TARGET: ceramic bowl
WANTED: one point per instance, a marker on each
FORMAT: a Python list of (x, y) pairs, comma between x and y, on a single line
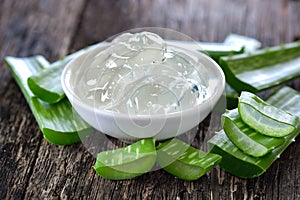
[(132, 127)]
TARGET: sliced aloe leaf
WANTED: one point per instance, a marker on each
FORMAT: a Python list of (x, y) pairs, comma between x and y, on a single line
[(262, 69), (250, 45), (59, 124), (128, 162), (46, 84), (245, 138), (265, 118), (240, 164), (184, 161)]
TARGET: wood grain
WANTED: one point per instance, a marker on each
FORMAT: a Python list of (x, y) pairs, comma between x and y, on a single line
[(27, 28), (31, 168)]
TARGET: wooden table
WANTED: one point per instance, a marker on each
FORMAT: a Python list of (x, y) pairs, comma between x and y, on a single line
[(32, 168)]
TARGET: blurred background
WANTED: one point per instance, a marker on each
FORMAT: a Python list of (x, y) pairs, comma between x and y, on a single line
[(67, 25)]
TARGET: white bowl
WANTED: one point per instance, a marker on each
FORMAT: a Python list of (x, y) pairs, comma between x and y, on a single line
[(133, 127)]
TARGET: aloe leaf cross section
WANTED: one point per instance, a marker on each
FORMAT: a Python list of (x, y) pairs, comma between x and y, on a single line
[(238, 163), (265, 118), (245, 138)]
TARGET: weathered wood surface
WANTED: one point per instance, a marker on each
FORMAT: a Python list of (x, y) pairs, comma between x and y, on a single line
[(31, 168)]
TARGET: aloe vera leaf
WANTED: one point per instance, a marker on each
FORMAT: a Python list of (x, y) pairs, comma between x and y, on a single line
[(265, 118), (58, 122), (262, 69), (128, 162), (242, 165), (245, 138), (216, 54), (46, 84), (250, 45), (184, 161)]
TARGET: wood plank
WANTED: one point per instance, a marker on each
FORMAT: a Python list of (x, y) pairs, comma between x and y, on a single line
[(66, 172), (199, 20), (27, 28)]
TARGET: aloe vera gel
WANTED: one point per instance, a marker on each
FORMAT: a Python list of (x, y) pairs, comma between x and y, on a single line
[(140, 74)]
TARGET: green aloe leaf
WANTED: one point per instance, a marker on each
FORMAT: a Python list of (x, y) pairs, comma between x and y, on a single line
[(240, 164), (128, 162), (265, 118), (245, 138), (58, 122), (184, 161), (46, 85), (262, 69)]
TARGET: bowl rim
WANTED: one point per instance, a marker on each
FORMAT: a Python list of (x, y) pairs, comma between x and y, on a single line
[(75, 99)]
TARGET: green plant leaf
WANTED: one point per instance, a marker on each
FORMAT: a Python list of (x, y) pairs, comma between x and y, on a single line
[(245, 138), (262, 69), (184, 161), (46, 84), (128, 162), (240, 164), (58, 122), (265, 118)]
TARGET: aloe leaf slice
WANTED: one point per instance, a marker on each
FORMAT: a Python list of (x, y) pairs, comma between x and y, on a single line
[(265, 118), (184, 161), (128, 162), (46, 84), (58, 122), (262, 69), (240, 164), (245, 138)]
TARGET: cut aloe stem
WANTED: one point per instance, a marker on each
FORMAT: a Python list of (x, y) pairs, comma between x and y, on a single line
[(184, 161), (58, 122), (265, 118), (245, 138), (262, 69), (240, 164), (128, 162), (46, 84)]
